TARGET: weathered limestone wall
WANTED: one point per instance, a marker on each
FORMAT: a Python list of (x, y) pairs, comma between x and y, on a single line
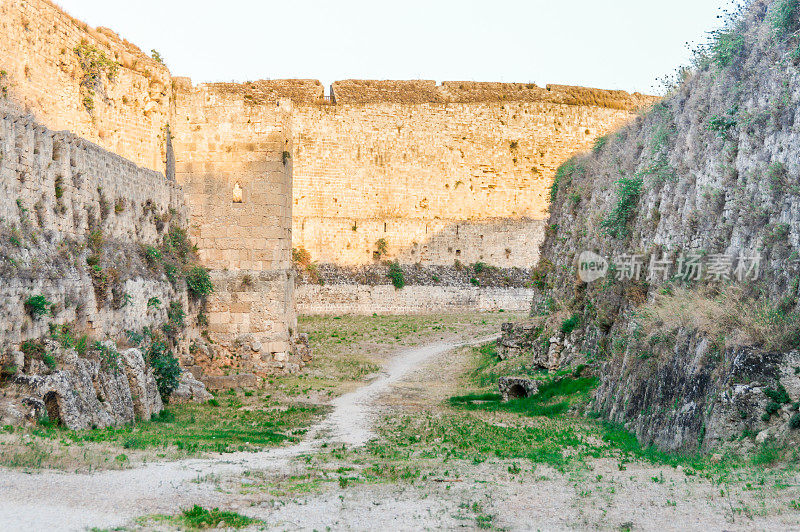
[(224, 134), (455, 171), (233, 157), (40, 68), (54, 189), (413, 299)]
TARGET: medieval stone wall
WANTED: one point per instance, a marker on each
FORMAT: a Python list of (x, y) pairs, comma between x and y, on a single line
[(458, 171), (123, 110), (56, 190), (414, 299), (439, 172)]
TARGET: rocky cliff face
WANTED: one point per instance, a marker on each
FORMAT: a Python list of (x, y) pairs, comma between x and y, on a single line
[(671, 256)]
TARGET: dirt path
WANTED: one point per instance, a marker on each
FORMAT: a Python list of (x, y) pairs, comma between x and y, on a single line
[(63, 501)]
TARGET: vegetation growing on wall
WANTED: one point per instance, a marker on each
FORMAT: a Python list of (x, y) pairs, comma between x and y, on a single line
[(97, 69)]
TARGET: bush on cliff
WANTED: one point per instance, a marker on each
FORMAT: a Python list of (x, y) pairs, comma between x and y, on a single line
[(199, 282)]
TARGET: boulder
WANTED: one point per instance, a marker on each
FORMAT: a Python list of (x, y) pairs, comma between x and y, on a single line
[(517, 387), (189, 390)]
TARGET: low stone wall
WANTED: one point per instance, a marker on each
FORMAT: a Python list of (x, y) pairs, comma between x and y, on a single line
[(385, 299)]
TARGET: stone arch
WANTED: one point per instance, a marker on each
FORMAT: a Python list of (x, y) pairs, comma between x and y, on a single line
[(52, 407), (517, 391)]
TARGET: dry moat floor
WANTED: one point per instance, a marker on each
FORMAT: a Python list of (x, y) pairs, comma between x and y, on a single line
[(395, 426)]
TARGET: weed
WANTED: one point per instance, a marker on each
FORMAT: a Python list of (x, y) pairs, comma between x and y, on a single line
[(599, 144), (38, 306), (628, 192), (569, 324), (381, 247)]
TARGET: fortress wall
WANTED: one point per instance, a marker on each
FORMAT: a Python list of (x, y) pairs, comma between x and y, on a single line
[(415, 299), (40, 69), (55, 188), (226, 145), (438, 179)]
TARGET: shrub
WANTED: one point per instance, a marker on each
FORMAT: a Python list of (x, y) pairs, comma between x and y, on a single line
[(474, 282), (166, 369), (779, 395), (153, 302), (96, 241), (109, 357), (569, 324), (176, 242), (564, 176), (199, 282), (785, 16), (628, 192), (152, 255), (776, 174), (722, 124), (38, 306), (728, 45), (479, 267), (199, 518), (794, 422), (396, 275), (33, 349)]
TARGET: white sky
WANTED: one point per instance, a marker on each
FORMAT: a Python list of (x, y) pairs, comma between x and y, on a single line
[(612, 44)]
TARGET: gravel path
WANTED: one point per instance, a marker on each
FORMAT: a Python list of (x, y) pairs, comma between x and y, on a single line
[(51, 500)]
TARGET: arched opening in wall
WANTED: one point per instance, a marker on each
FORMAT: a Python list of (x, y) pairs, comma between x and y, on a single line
[(517, 391), (51, 405), (237, 193)]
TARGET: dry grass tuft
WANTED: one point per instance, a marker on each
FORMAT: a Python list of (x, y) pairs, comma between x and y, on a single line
[(728, 316)]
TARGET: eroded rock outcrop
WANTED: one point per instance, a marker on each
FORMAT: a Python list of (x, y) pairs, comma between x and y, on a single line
[(670, 261), (102, 389)]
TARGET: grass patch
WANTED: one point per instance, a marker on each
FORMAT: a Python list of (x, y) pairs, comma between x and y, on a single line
[(199, 518), (568, 390), (195, 428)]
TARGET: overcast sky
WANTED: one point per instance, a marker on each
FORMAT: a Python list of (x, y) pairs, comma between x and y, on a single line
[(614, 44)]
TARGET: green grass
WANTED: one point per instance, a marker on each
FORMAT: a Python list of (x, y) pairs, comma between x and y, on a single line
[(199, 518), (196, 428), (569, 390)]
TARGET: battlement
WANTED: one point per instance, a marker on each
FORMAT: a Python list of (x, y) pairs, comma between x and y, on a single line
[(354, 92)]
